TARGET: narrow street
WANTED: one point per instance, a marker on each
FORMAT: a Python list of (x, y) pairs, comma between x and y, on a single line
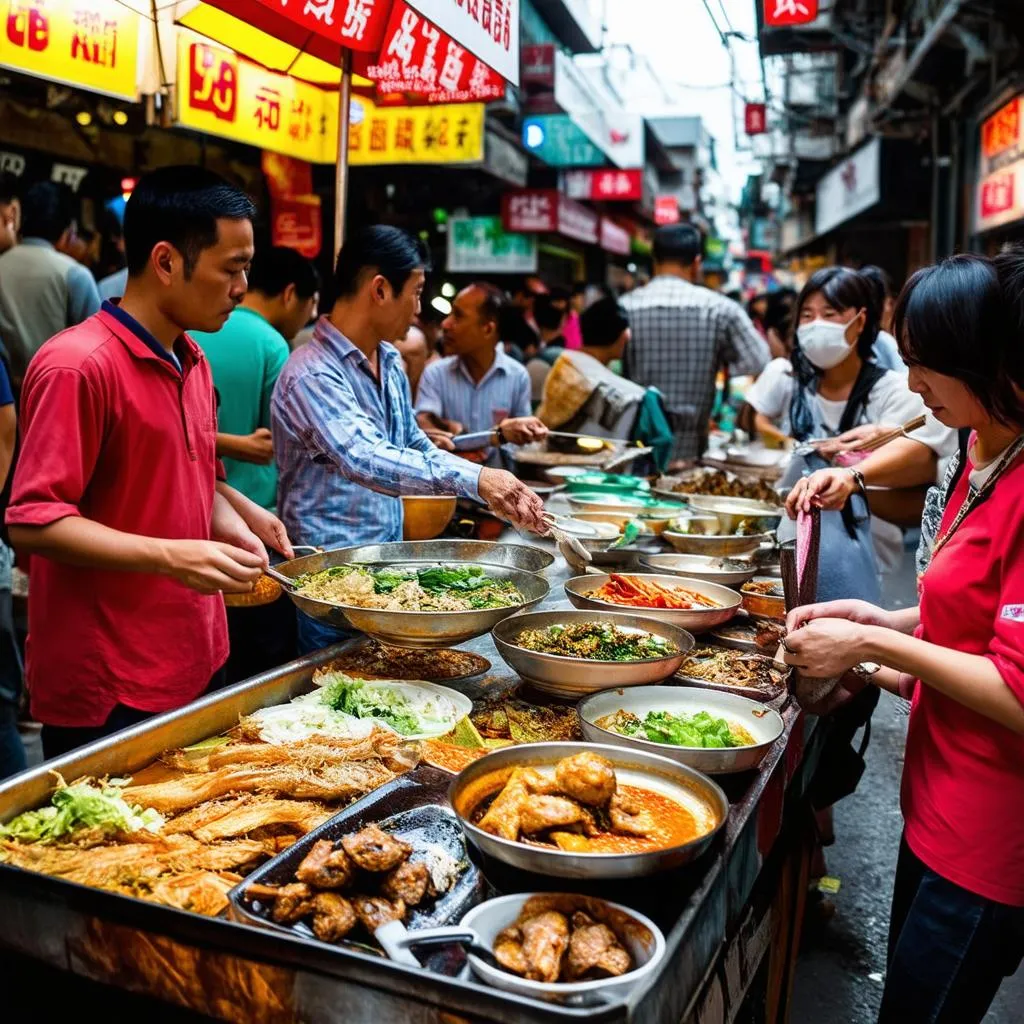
[(842, 965)]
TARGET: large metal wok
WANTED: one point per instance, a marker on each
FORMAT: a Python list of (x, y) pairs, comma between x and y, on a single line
[(420, 630)]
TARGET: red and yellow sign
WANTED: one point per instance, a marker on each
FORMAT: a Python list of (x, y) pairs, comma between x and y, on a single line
[(1002, 130), (92, 44), (221, 94), (444, 134)]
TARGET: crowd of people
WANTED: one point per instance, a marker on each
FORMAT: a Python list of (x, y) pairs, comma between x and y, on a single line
[(166, 429)]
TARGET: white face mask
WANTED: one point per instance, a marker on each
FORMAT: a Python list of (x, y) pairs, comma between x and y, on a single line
[(824, 343)]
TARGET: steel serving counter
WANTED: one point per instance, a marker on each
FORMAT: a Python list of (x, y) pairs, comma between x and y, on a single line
[(716, 913)]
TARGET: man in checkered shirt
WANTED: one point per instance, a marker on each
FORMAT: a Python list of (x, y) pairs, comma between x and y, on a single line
[(683, 334)]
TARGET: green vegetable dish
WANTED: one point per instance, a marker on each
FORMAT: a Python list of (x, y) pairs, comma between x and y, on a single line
[(598, 641), (408, 709), (459, 588), (699, 730), (81, 806)]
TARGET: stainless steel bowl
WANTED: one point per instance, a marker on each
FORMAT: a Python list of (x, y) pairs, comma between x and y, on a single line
[(572, 677), (697, 620), (720, 546), (764, 724), (700, 567), (518, 556), (732, 513), (694, 791), (420, 630), (634, 505)]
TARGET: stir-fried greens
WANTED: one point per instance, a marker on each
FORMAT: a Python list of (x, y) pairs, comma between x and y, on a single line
[(77, 807), (600, 641), (699, 730), (432, 589)]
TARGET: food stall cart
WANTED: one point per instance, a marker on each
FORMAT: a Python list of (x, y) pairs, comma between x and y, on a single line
[(731, 919)]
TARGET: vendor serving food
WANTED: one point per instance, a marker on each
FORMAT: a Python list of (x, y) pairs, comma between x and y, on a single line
[(345, 433), (957, 924)]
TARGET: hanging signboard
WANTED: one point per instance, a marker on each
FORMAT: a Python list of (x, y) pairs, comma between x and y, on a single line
[(489, 29), (1000, 193), (447, 134), (559, 141), (221, 94), (786, 13), (355, 24), (417, 57), (666, 210), (547, 209), (608, 184), (849, 188), (91, 44), (755, 118), (480, 245)]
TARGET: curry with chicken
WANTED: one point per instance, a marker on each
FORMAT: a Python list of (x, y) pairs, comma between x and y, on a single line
[(579, 808)]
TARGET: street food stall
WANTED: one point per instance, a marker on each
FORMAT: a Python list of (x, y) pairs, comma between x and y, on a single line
[(280, 850)]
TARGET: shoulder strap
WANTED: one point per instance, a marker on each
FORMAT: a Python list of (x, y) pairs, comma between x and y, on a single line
[(870, 374), (963, 440)]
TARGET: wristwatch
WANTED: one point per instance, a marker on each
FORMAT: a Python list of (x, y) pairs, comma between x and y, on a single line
[(858, 478), (499, 434), (866, 669)]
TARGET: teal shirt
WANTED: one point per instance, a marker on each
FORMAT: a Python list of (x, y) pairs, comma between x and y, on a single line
[(246, 356)]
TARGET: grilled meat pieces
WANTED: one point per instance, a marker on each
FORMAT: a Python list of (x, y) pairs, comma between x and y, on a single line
[(324, 867), (333, 916), (374, 911), (372, 849), (292, 903), (594, 950), (408, 883), (586, 777)]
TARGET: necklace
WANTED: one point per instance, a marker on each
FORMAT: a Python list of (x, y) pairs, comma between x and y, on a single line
[(973, 497)]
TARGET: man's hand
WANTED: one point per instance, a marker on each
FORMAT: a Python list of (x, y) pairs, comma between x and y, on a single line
[(441, 439), (209, 566), (269, 529), (257, 447), (523, 430), (240, 521), (511, 499)]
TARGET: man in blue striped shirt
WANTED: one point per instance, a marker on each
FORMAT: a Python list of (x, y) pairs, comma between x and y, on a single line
[(476, 387), (345, 433)]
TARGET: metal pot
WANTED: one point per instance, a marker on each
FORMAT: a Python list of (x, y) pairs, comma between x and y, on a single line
[(694, 791)]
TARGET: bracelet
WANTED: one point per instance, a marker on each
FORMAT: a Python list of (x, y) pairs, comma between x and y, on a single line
[(858, 478), (499, 434)]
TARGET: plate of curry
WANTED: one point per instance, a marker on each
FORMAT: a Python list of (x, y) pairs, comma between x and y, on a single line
[(583, 810)]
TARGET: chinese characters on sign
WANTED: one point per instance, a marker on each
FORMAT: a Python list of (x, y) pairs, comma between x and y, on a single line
[(546, 209), (447, 134), (295, 216), (417, 57), (666, 210), (354, 24), (609, 185), (488, 29), (478, 245), (781, 13), (223, 95), (92, 44), (755, 118), (614, 238), (1000, 195)]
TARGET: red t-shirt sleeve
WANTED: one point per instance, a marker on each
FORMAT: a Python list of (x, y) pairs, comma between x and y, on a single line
[(62, 418), (1006, 650)]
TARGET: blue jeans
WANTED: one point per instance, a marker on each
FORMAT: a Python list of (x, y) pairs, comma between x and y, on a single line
[(949, 949), (314, 635)]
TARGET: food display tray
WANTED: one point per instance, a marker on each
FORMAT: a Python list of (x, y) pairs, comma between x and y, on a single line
[(238, 970)]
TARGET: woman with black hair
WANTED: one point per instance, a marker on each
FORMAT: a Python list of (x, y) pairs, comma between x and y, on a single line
[(957, 923), (832, 385)]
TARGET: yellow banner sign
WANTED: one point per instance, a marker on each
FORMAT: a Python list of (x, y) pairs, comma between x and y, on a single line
[(445, 134), (92, 44), (222, 94)]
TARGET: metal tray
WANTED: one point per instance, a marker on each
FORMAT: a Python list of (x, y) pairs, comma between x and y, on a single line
[(412, 807)]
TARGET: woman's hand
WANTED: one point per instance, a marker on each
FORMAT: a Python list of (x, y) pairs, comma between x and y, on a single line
[(827, 489), (853, 611), (851, 441), (825, 648)]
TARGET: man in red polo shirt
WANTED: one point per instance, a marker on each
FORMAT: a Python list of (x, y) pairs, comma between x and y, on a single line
[(116, 493)]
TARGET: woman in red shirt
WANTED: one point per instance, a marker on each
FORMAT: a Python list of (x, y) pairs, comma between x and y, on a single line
[(957, 924)]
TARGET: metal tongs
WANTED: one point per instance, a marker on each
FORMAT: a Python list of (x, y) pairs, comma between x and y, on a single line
[(570, 547)]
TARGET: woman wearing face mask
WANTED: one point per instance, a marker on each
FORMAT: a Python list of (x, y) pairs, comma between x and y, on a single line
[(830, 386), (957, 921)]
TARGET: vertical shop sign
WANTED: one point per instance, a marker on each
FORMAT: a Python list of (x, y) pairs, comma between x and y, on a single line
[(91, 44), (755, 118), (666, 210)]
